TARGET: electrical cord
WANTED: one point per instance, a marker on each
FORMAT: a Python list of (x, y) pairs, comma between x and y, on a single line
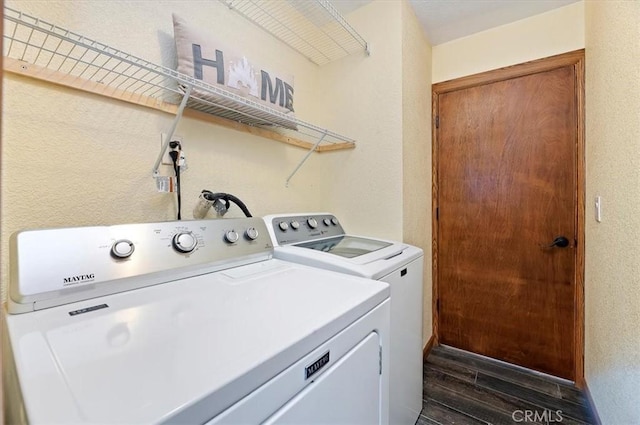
[(227, 198), (175, 154)]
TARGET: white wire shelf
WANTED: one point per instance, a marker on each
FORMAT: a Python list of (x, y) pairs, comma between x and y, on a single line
[(314, 28), (44, 51)]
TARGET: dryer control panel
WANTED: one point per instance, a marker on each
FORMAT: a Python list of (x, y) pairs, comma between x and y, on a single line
[(291, 229), (56, 266)]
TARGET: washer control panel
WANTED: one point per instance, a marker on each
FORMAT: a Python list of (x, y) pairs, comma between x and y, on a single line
[(291, 229), (97, 256)]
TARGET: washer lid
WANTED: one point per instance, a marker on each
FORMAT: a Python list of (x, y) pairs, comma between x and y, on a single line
[(373, 265), (183, 351), (346, 246)]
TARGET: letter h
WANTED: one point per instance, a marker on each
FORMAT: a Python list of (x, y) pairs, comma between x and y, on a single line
[(199, 61)]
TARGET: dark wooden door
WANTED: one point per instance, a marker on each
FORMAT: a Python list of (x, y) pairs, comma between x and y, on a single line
[(506, 188)]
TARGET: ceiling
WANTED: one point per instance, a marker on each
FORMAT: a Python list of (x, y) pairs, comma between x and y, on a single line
[(446, 20)]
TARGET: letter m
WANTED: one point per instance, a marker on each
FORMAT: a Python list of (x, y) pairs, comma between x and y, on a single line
[(276, 95)]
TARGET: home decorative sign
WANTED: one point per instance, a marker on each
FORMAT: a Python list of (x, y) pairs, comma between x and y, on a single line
[(200, 56)]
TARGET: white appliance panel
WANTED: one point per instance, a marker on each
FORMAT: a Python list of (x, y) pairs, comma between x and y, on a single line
[(184, 349), (398, 264), (346, 394), (264, 401), (406, 342)]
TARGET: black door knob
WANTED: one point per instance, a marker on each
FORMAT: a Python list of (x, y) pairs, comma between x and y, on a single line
[(560, 242)]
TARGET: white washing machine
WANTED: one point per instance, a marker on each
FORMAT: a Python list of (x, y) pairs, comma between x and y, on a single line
[(188, 322), (318, 240)]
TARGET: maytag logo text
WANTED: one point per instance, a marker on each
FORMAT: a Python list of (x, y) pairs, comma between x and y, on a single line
[(71, 280)]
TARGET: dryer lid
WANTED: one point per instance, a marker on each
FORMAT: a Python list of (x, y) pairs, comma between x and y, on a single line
[(182, 351)]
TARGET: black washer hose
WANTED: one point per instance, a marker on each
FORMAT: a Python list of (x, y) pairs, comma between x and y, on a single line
[(226, 197)]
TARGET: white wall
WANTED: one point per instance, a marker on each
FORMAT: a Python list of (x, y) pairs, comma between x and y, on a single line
[(557, 31), (416, 158), (72, 159), (612, 275)]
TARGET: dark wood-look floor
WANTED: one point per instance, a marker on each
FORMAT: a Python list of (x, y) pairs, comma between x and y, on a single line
[(464, 388)]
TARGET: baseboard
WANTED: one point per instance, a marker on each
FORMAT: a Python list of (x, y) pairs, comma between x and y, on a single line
[(592, 406), (427, 348)]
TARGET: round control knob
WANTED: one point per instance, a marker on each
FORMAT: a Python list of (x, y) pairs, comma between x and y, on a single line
[(251, 233), (231, 236), (334, 221), (184, 242), (283, 226), (295, 225), (122, 248), (326, 222), (312, 223)]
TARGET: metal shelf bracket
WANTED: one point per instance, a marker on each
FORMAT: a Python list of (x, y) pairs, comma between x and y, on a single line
[(172, 129), (305, 158)]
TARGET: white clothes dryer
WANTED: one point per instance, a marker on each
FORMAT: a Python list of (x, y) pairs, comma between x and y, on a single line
[(318, 240), (188, 322)]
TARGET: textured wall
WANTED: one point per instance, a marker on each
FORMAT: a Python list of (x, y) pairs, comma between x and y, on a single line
[(612, 278), (364, 96), (557, 31), (416, 149), (72, 159)]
